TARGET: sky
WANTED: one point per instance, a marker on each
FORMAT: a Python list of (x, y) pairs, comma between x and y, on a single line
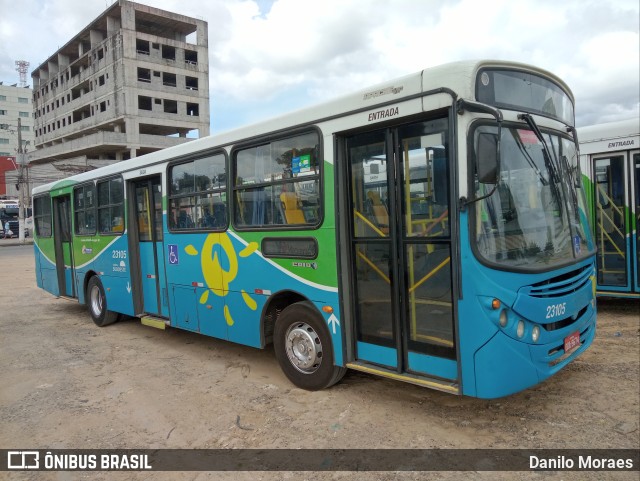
[(269, 57)]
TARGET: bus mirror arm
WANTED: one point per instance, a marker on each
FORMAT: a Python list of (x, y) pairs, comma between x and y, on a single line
[(488, 148), (572, 130)]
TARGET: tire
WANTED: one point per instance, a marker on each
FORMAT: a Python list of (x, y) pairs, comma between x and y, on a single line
[(304, 349), (97, 302)]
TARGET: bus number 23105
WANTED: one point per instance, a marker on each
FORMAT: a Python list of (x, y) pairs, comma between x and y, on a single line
[(555, 310)]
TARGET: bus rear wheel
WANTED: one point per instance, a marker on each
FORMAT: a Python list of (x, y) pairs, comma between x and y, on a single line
[(303, 348), (97, 302)]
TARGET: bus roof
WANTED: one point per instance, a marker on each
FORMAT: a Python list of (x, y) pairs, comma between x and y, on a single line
[(608, 131), (457, 76), (610, 137)]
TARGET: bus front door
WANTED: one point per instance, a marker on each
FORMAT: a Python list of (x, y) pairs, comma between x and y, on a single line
[(63, 245), (399, 240), (149, 234), (617, 204), (635, 165)]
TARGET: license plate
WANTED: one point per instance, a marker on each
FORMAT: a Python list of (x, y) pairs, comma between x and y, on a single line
[(571, 341)]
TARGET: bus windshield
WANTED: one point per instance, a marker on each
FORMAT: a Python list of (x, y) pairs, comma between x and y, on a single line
[(536, 218), (527, 92)]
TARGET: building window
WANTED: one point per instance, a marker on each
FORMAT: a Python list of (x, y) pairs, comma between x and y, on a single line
[(142, 46), (168, 52), (144, 75), (24, 114), (197, 194), (84, 212), (3, 112), (170, 106), (191, 57), (169, 79), (23, 100), (3, 97), (3, 140), (144, 103), (101, 80), (278, 183), (42, 215), (103, 106), (191, 83), (110, 210), (193, 109)]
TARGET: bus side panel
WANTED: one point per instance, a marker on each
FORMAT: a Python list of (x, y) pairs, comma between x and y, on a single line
[(108, 257), (46, 274), (234, 282), (255, 278)]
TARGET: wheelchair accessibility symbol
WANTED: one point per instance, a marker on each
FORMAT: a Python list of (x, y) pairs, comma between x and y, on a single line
[(173, 254)]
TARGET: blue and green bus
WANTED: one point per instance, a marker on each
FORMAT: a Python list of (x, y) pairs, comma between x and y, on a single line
[(610, 162), (431, 229)]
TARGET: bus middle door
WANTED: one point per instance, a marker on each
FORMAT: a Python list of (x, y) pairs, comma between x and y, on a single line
[(148, 211)]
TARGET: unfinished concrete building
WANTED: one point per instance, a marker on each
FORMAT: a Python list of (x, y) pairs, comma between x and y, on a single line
[(134, 81)]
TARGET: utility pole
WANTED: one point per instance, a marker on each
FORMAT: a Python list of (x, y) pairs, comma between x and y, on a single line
[(21, 187)]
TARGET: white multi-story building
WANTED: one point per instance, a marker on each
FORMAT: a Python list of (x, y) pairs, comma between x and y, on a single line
[(16, 122), (15, 105)]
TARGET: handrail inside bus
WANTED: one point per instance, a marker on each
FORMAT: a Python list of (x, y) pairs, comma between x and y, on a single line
[(369, 223), (373, 266)]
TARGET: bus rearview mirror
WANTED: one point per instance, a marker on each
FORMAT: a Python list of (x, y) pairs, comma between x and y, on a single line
[(487, 158)]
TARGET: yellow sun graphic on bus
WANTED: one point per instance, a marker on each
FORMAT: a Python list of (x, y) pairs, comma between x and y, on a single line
[(216, 278)]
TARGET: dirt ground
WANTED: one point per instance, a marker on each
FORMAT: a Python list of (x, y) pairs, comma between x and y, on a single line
[(66, 383)]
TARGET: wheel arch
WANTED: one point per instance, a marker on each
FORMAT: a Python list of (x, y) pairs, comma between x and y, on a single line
[(85, 283), (272, 309)]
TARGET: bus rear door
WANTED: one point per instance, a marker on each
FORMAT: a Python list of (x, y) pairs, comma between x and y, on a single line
[(63, 245)]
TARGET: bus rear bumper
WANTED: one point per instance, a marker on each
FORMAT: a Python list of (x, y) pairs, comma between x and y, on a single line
[(505, 366)]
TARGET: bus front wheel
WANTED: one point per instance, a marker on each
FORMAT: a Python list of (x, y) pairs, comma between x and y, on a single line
[(97, 302), (303, 348)]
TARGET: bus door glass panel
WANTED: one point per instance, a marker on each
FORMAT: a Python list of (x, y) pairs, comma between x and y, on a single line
[(426, 246), (372, 249), (610, 224), (149, 221), (64, 246), (635, 193)]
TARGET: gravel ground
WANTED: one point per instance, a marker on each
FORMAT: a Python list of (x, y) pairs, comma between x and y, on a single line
[(68, 384)]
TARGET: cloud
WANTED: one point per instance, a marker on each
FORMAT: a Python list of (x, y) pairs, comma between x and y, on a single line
[(268, 56)]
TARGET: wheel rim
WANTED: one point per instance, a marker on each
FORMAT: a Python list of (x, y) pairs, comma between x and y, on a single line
[(96, 301), (303, 347)]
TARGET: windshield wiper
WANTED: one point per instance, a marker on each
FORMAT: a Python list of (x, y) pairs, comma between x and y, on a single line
[(529, 159), (546, 153)]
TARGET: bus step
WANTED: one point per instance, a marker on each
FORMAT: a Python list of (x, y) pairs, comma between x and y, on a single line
[(68, 298), (433, 383), (156, 322)]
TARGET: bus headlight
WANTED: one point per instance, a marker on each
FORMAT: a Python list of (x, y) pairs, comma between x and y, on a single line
[(503, 318), (535, 333), (520, 329)]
